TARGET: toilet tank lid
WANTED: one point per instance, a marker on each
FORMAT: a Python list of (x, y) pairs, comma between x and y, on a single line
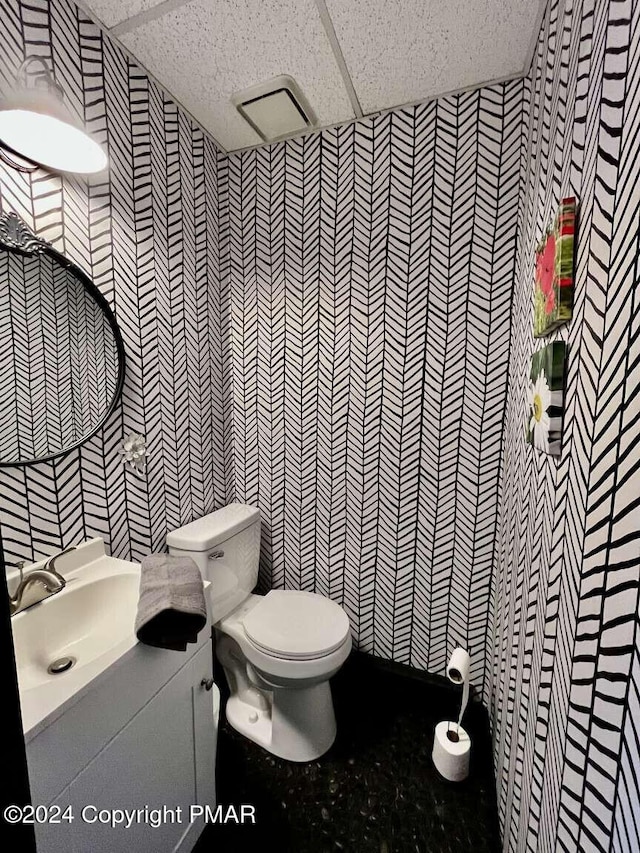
[(210, 530)]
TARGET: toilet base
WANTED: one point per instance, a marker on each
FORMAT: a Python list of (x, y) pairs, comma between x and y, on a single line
[(249, 721), (299, 725), (285, 706)]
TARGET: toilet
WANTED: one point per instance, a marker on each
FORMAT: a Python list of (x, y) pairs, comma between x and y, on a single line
[(278, 650)]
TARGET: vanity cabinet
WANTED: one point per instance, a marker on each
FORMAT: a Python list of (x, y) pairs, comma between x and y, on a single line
[(163, 758)]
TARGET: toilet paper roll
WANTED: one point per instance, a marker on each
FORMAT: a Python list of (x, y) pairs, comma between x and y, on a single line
[(458, 673), (451, 749)]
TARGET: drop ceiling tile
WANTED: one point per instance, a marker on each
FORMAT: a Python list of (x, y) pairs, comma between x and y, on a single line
[(399, 51), (112, 12), (206, 50)]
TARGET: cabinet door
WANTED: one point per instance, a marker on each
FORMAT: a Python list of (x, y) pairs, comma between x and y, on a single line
[(156, 762), (206, 704)]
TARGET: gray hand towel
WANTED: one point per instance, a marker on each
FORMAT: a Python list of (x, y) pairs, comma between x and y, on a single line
[(172, 607)]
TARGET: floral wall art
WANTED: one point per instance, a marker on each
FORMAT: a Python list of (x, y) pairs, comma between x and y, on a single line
[(546, 398), (553, 296)]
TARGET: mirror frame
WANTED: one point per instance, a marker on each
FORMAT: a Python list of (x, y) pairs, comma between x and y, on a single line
[(15, 236)]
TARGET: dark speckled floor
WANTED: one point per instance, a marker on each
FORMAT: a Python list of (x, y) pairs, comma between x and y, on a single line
[(376, 790)]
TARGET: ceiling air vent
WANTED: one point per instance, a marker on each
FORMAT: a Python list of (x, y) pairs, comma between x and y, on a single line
[(275, 109)]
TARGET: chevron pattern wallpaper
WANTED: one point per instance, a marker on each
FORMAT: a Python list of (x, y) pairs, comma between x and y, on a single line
[(331, 328), (58, 362), (564, 652), (370, 273), (147, 233)]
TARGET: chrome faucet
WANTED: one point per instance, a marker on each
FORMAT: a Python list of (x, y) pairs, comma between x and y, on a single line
[(38, 584)]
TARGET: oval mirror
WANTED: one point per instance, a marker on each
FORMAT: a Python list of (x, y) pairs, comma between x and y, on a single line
[(61, 352)]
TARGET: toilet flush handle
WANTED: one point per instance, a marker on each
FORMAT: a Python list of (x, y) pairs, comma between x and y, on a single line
[(215, 555)]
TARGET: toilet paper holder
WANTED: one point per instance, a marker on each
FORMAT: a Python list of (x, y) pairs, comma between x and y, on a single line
[(452, 746)]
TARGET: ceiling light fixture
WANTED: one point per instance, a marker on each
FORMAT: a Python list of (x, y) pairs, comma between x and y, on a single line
[(37, 128)]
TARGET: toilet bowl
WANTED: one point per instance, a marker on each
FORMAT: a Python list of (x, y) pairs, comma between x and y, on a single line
[(278, 670), (278, 651)]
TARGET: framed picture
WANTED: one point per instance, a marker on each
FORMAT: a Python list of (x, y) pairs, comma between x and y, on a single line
[(553, 294), (545, 398)]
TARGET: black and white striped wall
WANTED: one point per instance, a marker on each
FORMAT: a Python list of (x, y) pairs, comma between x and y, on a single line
[(147, 233), (330, 328), (370, 280), (564, 652)]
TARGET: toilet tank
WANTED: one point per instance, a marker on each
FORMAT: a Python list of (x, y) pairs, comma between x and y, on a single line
[(226, 547)]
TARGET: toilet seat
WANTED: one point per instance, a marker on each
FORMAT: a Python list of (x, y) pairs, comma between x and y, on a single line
[(296, 625)]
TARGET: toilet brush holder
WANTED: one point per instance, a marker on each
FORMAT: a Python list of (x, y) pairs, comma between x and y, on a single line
[(451, 750)]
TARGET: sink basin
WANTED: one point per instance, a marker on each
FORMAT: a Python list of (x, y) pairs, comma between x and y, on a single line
[(83, 621), (91, 621)]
